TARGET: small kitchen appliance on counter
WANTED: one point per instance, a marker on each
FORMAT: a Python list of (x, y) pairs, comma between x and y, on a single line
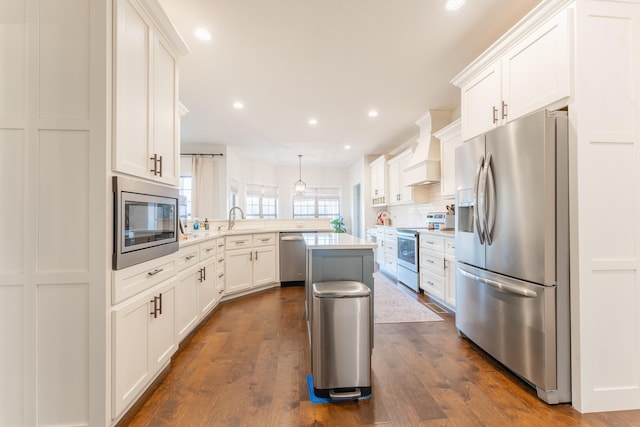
[(441, 220)]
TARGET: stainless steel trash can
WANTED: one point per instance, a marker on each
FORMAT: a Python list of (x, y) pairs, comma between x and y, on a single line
[(341, 339)]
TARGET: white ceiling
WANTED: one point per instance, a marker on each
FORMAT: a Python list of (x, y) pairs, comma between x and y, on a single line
[(290, 60)]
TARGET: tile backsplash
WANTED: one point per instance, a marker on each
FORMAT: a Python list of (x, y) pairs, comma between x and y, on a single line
[(415, 214)]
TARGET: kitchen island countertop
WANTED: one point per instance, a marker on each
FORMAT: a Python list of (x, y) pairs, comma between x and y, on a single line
[(336, 241)]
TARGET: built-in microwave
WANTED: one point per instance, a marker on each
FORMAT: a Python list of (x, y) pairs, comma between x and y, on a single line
[(145, 221)]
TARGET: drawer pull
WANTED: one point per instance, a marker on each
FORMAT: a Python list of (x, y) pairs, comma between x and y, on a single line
[(154, 272), (265, 240), (240, 242), (210, 249), (187, 258)]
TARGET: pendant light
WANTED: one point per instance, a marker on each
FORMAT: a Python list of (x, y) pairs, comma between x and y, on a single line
[(299, 186)]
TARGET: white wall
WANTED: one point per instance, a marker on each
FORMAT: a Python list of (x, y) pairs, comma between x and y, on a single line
[(284, 177)]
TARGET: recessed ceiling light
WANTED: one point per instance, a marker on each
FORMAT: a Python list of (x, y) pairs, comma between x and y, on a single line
[(453, 4), (313, 121), (347, 147), (373, 113), (238, 105), (202, 34)]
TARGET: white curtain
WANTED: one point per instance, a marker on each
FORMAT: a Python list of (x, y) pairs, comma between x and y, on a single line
[(202, 203)]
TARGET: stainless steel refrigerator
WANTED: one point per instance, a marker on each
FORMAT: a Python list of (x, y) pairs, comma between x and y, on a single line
[(512, 249)]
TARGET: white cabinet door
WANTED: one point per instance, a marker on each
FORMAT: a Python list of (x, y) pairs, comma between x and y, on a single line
[(166, 141), (264, 265), (394, 183), (146, 139), (187, 310), (481, 102), (379, 181), (131, 370), (144, 339), (207, 286), (399, 193), (450, 139), (162, 332), (132, 90), (536, 71), (238, 270), (450, 281), (406, 192)]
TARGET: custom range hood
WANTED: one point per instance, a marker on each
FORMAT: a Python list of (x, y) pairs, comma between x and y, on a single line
[(424, 167)]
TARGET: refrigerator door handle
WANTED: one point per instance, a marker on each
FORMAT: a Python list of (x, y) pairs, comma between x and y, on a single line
[(477, 209), (502, 287), (490, 212)]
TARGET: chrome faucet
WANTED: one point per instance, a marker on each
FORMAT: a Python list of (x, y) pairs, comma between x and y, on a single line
[(232, 221)]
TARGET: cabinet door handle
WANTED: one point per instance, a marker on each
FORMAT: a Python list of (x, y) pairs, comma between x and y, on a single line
[(204, 273), (200, 276), (160, 304), (250, 256), (160, 173), (256, 255), (154, 272), (494, 115), (154, 311), (155, 164), (504, 110)]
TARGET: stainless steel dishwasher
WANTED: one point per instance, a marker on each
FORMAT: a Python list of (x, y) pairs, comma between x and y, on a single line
[(293, 259)]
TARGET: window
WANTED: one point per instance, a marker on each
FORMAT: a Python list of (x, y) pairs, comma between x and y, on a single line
[(186, 192), (261, 201), (317, 202)]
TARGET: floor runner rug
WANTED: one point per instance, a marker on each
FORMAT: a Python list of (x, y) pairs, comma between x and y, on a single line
[(392, 305)]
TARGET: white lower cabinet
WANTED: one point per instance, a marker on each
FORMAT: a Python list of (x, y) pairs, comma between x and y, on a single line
[(144, 339), (187, 309), (390, 264), (239, 270), (437, 268), (253, 264), (207, 294), (187, 313)]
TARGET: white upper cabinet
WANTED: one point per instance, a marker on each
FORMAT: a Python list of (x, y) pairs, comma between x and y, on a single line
[(399, 192), (523, 72), (379, 181), (450, 139), (146, 126), (480, 100)]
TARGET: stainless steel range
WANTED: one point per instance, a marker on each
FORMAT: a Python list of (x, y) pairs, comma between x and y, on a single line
[(408, 259)]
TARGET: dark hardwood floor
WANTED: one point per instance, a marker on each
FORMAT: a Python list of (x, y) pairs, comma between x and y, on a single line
[(247, 364)]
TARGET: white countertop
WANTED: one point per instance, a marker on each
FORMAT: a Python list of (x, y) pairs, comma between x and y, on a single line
[(336, 241), (446, 233), (204, 235)]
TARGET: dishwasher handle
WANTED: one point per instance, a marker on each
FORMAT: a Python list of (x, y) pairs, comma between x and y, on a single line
[(291, 238)]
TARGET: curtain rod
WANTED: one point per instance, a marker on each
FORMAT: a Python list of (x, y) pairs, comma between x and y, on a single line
[(202, 154)]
